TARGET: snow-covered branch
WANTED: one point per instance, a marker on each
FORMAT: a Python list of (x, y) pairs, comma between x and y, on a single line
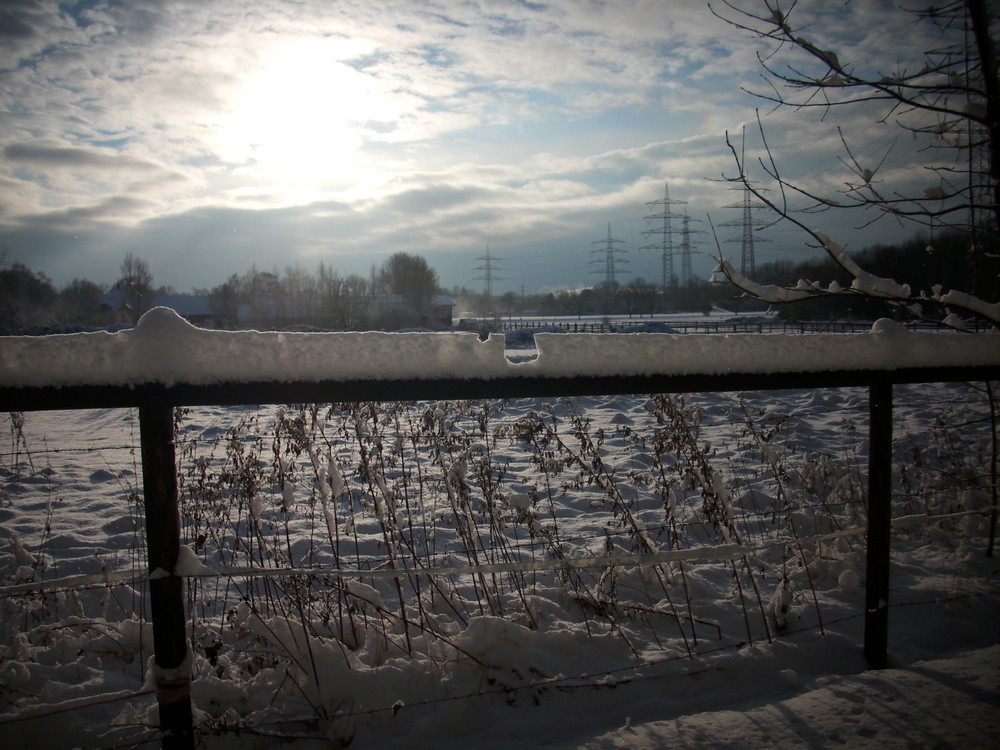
[(988, 310), (865, 284), (764, 292), (863, 281)]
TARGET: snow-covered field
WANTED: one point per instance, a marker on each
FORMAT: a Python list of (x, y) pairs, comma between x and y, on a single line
[(739, 624)]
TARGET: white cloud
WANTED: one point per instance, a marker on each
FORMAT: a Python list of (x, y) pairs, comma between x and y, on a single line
[(369, 127)]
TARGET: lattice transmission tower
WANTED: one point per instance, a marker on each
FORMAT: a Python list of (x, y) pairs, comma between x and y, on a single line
[(611, 250), (665, 232), (748, 224), (687, 275), (489, 270)]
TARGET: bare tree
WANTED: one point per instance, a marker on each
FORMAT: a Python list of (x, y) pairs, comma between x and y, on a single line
[(80, 302), (136, 285), (343, 301), (225, 301), (303, 295), (950, 101), (412, 279), (27, 299)]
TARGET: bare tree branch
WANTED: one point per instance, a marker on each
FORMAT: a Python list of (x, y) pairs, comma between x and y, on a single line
[(957, 84)]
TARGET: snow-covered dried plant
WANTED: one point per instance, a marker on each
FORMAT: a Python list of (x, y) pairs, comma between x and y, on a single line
[(349, 521), (18, 447), (939, 471)]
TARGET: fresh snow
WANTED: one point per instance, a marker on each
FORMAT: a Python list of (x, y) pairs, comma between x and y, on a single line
[(551, 671), (943, 703), (164, 348)]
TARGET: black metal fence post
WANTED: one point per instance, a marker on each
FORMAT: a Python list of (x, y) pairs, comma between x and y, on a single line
[(879, 513), (166, 590)]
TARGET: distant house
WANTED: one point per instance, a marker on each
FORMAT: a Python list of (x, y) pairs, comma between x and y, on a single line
[(443, 310), (195, 308)]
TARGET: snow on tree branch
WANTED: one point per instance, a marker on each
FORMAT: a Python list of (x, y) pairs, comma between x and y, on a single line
[(863, 281), (765, 292), (964, 300)]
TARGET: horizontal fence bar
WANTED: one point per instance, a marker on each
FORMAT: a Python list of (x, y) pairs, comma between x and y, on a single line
[(45, 398)]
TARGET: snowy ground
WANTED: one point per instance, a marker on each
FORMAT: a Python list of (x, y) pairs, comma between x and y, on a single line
[(691, 648), (942, 703)]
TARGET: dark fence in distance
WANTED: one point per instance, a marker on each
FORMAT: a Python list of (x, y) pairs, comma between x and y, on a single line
[(618, 325)]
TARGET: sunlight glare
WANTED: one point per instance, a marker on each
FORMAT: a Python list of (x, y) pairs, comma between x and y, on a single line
[(300, 119)]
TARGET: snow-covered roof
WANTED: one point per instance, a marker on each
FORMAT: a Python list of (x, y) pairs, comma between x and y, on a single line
[(164, 348)]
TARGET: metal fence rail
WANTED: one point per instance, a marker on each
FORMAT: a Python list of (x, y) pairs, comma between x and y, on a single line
[(156, 404)]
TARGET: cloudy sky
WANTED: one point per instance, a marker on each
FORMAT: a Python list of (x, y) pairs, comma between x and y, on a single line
[(210, 136)]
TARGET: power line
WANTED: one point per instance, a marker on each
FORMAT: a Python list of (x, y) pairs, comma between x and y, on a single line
[(611, 250), (687, 276), (488, 268), (748, 224), (666, 235)]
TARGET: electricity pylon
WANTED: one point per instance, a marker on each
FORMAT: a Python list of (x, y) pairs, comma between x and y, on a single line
[(748, 224), (665, 232), (488, 268), (611, 250), (687, 276)]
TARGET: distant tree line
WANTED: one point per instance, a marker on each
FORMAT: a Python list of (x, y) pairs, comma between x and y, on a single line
[(920, 262), (397, 294), (268, 299), (29, 301), (400, 292)]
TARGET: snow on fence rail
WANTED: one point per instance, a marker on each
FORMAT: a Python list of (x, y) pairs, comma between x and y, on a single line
[(164, 349), (164, 362)]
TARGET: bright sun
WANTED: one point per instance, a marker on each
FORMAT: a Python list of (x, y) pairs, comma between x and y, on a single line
[(301, 118)]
